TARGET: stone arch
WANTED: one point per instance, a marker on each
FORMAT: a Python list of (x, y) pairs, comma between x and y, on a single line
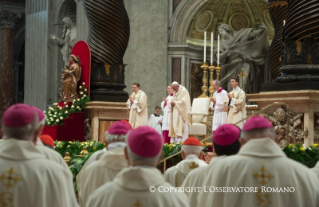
[(183, 16)]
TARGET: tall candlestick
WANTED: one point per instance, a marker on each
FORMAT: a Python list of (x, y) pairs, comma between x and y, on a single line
[(205, 47), (218, 51), (211, 47), (284, 22)]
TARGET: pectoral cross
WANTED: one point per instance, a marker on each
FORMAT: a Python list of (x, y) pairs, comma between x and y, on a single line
[(242, 75)]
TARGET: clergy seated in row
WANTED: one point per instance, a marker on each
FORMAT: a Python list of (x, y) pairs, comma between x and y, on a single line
[(134, 185), (47, 152), (191, 153), (108, 166), (270, 177), (28, 177), (316, 169), (98, 154), (47, 141), (155, 120), (225, 143)]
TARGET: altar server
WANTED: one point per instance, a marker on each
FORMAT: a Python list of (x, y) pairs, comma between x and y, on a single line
[(225, 142), (137, 103), (27, 177), (270, 178), (191, 153), (219, 103), (142, 184), (181, 106), (105, 169), (47, 152), (155, 120), (166, 108)]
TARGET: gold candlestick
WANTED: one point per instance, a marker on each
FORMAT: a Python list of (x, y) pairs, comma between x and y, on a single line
[(217, 68), (211, 89), (204, 87)]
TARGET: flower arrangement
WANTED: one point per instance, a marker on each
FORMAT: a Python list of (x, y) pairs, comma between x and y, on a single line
[(56, 113), (74, 149), (308, 156)]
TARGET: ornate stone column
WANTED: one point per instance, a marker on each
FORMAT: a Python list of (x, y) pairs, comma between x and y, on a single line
[(278, 10), (7, 71)]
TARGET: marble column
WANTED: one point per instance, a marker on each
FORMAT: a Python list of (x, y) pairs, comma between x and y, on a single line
[(7, 71)]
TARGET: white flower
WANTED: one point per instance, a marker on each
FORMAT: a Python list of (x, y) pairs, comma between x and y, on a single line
[(83, 83), (84, 95), (54, 115), (304, 146), (85, 90), (61, 117), (57, 120), (78, 107), (78, 99), (55, 104), (44, 112), (73, 100), (65, 103), (51, 119), (60, 108), (81, 92), (50, 108), (72, 106), (49, 122), (80, 87), (66, 112)]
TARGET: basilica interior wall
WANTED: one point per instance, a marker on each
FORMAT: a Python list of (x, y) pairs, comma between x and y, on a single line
[(146, 55)]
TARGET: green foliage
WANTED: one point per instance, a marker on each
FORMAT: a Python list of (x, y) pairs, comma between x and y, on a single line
[(56, 114), (307, 156)]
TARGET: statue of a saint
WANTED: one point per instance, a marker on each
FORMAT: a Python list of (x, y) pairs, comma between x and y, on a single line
[(70, 77), (67, 40), (247, 49)]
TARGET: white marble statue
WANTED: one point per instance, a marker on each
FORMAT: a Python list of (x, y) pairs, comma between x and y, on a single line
[(67, 40), (246, 48)]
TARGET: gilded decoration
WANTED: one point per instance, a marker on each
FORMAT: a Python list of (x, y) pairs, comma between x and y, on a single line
[(279, 121), (263, 176), (70, 78), (9, 178), (238, 14)]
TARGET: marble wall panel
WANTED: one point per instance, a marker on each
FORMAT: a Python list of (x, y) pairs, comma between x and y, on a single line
[(146, 55)]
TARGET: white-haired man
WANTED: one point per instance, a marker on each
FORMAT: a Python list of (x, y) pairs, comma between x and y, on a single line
[(98, 154), (260, 174), (142, 184), (27, 177), (47, 152), (219, 103), (108, 166), (137, 103), (181, 105), (191, 153)]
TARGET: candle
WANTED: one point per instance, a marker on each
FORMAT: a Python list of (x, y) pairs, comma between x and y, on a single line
[(211, 47), (218, 51), (284, 22), (205, 47)]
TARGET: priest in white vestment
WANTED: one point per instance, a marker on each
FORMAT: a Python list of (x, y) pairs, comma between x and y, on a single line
[(137, 104), (105, 169), (141, 184), (191, 153), (237, 106), (155, 120), (28, 178), (226, 143), (181, 106), (98, 154), (316, 169), (47, 152), (260, 174), (166, 108), (219, 103)]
